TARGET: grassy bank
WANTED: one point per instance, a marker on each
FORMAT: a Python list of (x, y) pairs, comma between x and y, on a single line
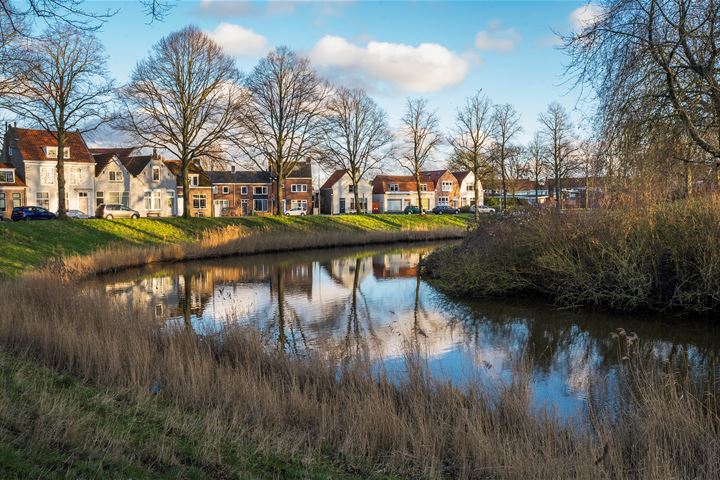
[(662, 257), (25, 245), (220, 397)]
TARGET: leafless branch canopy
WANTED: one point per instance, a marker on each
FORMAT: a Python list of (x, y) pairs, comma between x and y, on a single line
[(506, 126)]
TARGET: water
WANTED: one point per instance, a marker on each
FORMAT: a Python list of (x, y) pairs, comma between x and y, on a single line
[(373, 302)]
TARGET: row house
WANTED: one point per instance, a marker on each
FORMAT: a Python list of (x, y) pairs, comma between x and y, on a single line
[(392, 193), (297, 188), (200, 189), (12, 190), (240, 193), (337, 195), (141, 182)]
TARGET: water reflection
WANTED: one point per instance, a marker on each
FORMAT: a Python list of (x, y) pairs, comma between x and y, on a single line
[(374, 303)]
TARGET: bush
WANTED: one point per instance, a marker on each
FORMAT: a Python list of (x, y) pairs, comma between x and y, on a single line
[(663, 257)]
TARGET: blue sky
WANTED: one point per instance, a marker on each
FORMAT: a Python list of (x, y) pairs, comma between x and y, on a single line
[(444, 51)]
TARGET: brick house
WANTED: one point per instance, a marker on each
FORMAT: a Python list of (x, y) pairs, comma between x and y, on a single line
[(447, 188), (33, 155), (245, 192), (392, 193), (200, 189), (12, 190), (298, 188)]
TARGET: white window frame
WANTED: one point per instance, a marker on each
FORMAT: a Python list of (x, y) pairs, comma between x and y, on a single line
[(446, 186), (152, 200), (170, 197), (42, 199), (155, 170), (244, 190), (394, 187), (47, 175), (423, 187), (298, 187), (115, 176), (74, 176), (470, 187), (10, 174), (263, 203), (194, 179), (201, 200), (443, 201), (263, 190), (123, 198), (298, 203), (225, 189)]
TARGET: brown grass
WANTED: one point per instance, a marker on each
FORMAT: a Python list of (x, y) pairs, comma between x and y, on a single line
[(228, 242), (418, 427)]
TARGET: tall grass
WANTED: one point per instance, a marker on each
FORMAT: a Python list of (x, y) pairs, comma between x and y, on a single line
[(659, 257), (320, 406)]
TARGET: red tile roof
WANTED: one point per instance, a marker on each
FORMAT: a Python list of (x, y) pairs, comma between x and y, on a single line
[(31, 143), (460, 176), (434, 175), (406, 183), (18, 181), (336, 175)]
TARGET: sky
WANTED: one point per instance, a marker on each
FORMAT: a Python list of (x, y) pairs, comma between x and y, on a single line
[(443, 51)]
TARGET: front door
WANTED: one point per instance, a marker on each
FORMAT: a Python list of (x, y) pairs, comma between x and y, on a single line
[(244, 207), (342, 205), (84, 202)]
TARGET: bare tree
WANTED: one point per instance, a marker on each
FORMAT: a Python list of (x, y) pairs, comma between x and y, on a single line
[(558, 134), (535, 154), (506, 125), (471, 140), (653, 61), (61, 84), (421, 135), (357, 138), (185, 98), (283, 118), (517, 167)]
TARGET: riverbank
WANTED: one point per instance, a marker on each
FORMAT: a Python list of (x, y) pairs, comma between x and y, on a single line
[(663, 257), (29, 245)]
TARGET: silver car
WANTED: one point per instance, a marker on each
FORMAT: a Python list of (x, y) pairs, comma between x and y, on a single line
[(482, 209), (112, 210)]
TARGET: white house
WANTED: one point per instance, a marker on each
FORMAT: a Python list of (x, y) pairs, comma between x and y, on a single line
[(33, 154), (392, 193), (141, 182), (337, 196), (467, 185)]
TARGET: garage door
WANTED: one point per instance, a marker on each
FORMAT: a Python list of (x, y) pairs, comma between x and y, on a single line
[(394, 205)]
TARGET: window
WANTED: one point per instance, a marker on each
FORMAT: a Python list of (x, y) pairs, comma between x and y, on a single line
[(194, 180), (226, 190), (243, 190), (43, 199), (118, 198), (115, 176), (170, 199), (214, 190), (52, 152), (298, 187), (351, 188), (294, 204), (7, 176), (394, 187), (199, 201), (2, 201), (17, 199), (155, 174), (260, 204), (260, 191), (470, 187), (152, 200), (99, 198), (447, 186), (74, 175), (423, 187), (363, 204), (47, 176), (443, 200), (232, 168)]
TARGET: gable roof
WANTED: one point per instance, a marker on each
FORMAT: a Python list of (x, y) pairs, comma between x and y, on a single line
[(134, 164), (460, 176), (30, 144), (334, 177), (175, 169), (406, 183), (239, 176), (434, 175)]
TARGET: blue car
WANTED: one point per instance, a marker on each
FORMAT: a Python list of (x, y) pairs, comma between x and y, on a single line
[(31, 213)]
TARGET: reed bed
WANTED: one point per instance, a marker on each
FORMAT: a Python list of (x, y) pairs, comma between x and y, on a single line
[(237, 387), (229, 241), (660, 257)]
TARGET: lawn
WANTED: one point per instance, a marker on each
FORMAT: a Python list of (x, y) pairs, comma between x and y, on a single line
[(25, 245)]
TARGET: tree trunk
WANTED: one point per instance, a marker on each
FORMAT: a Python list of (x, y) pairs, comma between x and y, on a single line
[(186, 188), (357, 197), (419, 193), (60, 168), (477, 198), (504, 186), (279, 194)]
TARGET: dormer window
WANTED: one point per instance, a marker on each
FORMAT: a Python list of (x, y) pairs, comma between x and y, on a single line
[(394, 187), (423, 187), (194, 180), (7, 176), (52, 152)]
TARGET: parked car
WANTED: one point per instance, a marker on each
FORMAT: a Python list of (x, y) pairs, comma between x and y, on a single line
[(32, 213), (482, 209), (76, 214), (440, 209), (296, 211), (116, 211), (412, 210)]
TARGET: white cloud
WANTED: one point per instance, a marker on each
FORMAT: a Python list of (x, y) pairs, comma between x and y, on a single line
[(495, 38), (427, 67), (239, 41), (585, 16)]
